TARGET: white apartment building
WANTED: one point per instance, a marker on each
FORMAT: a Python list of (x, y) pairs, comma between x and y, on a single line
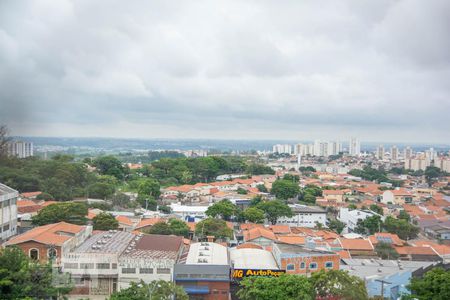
[(394, 153), (407, 153), (430, 154), (8, 212), (304, 149), (354, 148), (282, 149), (304, 216), (417, 164), (351, 217), (380, 152), (20, 149), (442, 163)]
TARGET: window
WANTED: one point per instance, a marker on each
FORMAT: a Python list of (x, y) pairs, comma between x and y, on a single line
[(329, 265), (34, 254), (128, 270), (6, 227), (51, 253), (86, 265), (146, 270), (70, 266), (114, 266), (313, 266), (102, 266), (163, 271), (290, 267), (302, 265)]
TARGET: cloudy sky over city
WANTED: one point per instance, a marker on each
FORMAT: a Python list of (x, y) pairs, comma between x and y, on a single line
[(376, 70)]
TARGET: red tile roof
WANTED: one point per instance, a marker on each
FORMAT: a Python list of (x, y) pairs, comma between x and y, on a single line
[(55, 234)]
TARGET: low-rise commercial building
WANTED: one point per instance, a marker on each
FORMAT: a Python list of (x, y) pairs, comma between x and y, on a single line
[(295, 259), (204, 271), (305, 216)]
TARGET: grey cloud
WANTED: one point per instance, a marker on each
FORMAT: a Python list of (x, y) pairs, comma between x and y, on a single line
[(241, 69)]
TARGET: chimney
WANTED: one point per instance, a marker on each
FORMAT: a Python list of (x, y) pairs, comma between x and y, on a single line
[(210, 238)]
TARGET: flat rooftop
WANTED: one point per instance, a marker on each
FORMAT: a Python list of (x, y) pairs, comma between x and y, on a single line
[(6, 190), (297, 249), (112, 241), (250, 258), (206, 253)]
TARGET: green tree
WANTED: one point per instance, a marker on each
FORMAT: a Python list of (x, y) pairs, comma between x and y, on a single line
[(309, 198), (242, 191), (401, 227), (352, 206), (255, 200), (224, 209), (160, 228), (178, 227), (434, 285), (285, 287), (149, 187), (21, 278), (262, 188), (369, 225), (105, 221), (386, 251), (214, 227), (403, 215), (147, 202), (285, 189), (100, 190), (337, 226), (110, 165), (70, 212), (155, 290), (4, 140), (275, 209), (259, 169), (254, 215), (45, 197), (120, 200), (376, 208), (339, 284)]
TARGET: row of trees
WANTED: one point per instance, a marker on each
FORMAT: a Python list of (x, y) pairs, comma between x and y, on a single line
[(332, 283), (257, 212), (400, 226)]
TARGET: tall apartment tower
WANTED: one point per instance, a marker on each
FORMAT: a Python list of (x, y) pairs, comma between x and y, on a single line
[(20, 149), (380, 152), (430, 154), (394, 152), (407, 153), (354, 147)]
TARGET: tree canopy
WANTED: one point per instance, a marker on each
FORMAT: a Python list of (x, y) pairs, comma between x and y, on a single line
[(173, 226), (20, 278), (434, 285), (401, 227), (254, 215), (155, 290), (70, 212), (274, 210), (285, 287), (105, 221), (110, 165), (338, 283), (213, 227), (285, 189), (369, 225), (223, 209)]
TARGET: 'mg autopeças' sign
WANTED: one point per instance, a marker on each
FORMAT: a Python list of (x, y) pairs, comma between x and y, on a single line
[(240, 273)]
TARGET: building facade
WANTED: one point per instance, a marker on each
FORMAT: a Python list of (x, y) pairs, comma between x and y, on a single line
[(20, 149), (8, 212)]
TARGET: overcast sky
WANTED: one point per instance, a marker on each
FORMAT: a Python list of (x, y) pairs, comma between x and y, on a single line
[(377, 70)]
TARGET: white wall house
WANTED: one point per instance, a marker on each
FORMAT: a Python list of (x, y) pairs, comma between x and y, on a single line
[(304, 216), (351, 217), (8, 212)]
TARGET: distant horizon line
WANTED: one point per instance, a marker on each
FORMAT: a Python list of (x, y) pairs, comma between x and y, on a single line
[(295, 141)]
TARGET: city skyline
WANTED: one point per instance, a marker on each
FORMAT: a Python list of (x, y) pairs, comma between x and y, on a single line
[(257, 71)]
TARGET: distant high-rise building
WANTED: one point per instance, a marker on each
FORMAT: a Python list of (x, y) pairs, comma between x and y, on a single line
[(430, 153), (394, 152), (20, 149), (354, 147), (442, 163), (282, 149), (380, 152), (407, 153), (418, 163), (304, 149)]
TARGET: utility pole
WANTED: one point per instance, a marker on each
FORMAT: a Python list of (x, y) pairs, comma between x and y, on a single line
[(383, 282)]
